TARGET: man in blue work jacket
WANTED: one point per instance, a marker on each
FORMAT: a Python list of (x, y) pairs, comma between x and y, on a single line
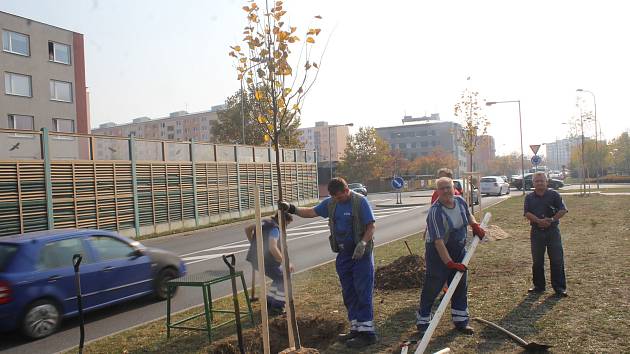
[(447, 225), (351, 223)]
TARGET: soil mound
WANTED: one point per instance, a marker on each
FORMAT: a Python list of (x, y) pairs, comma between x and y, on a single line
[(494, 233), (406, 272), (315, 332)]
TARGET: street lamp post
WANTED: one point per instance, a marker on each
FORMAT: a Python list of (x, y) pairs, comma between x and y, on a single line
[(520, 125), (330, 145), (596, 138)]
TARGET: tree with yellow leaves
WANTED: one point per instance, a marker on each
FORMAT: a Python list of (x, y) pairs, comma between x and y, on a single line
[(266, 67)]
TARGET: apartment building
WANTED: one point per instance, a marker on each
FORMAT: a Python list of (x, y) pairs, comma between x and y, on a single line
[(425, 135), (328, 140), (179, 125), (43, 68), (484, 153), (558, 153), (43, 84)]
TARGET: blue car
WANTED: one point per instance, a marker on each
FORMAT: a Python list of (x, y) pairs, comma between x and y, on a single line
[(37, 280)]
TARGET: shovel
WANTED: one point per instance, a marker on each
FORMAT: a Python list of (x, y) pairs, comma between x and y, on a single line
[(76, 262), (533, 346), (237, 312)]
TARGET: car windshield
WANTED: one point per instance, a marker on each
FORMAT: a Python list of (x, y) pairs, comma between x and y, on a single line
[(355, 185), (488, 179), (6, 253)]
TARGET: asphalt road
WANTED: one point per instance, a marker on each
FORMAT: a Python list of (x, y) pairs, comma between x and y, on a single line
[(202, 251)]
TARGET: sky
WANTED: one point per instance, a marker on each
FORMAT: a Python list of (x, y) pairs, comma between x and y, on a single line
[(384, 60)]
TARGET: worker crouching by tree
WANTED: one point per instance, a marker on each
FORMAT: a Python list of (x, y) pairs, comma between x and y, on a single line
[(273, 260), (351, 223), (447, 225)]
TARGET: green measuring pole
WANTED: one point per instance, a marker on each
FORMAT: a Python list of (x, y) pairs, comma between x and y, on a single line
[(194, 178), (238, 181), (134, 182), (47, 179)]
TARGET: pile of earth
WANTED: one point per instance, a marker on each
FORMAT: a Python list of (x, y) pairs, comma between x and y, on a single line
[(494, 232), (315, 332), (406, 272)]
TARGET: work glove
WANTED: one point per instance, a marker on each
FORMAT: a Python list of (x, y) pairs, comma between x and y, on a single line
[(456, 266), (477, 230), (359, 250), (286, 207)]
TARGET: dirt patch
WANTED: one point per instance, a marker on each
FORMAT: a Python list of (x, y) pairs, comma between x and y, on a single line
[(494, 232), (315, 332), (406, 272)]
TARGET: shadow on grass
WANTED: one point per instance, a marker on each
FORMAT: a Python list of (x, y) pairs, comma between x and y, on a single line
[(391, 333), (186, 341), (521, 321)]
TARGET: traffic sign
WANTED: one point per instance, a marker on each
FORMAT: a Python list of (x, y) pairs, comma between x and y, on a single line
[(536, 160), (534, 148), (398, 182)]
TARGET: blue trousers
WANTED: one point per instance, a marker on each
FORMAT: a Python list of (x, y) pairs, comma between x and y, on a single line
[(435, 275), (275, 292), (548, 240), (357, 287)]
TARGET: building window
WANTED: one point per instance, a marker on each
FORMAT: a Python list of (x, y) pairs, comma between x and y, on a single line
[(424, 144), (60, 91), (17, 84), (16, 43), (59, 53), (18, 121), (63, 125), (402, 145), (170, 128), (414, 145)]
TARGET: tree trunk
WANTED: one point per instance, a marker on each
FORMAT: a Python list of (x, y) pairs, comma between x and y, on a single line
[(292, 327)]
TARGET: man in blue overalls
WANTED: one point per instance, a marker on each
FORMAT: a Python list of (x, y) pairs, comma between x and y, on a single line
[(447, 223), (273, 260), (351, 223)]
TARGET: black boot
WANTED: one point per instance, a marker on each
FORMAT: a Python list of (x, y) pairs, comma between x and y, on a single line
[(363, 339), (344, 337)]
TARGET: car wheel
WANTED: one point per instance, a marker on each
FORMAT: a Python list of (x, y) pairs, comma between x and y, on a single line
[(41, 319), (161, 290)]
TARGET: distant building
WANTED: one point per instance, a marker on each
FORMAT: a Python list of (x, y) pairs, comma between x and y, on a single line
[(330, 143), (328, 140), (484, 153), (179, 125), (43, 81), (559, 152), (428, 134)]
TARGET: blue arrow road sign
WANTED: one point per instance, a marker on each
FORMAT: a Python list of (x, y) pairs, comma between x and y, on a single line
[(536, 160), (398, 182)]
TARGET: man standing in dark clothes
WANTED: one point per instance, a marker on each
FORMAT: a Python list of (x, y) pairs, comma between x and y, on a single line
[(544, 208)]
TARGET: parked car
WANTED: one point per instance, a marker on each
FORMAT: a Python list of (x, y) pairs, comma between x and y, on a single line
[(551, 182), (358, 187), (494, 185), (458, 184), (37, 284)]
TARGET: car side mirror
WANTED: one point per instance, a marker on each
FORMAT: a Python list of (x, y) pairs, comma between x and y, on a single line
[(136, 253)]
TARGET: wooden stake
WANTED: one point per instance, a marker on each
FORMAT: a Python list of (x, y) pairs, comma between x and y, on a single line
[(287, 281), (264, 316)]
